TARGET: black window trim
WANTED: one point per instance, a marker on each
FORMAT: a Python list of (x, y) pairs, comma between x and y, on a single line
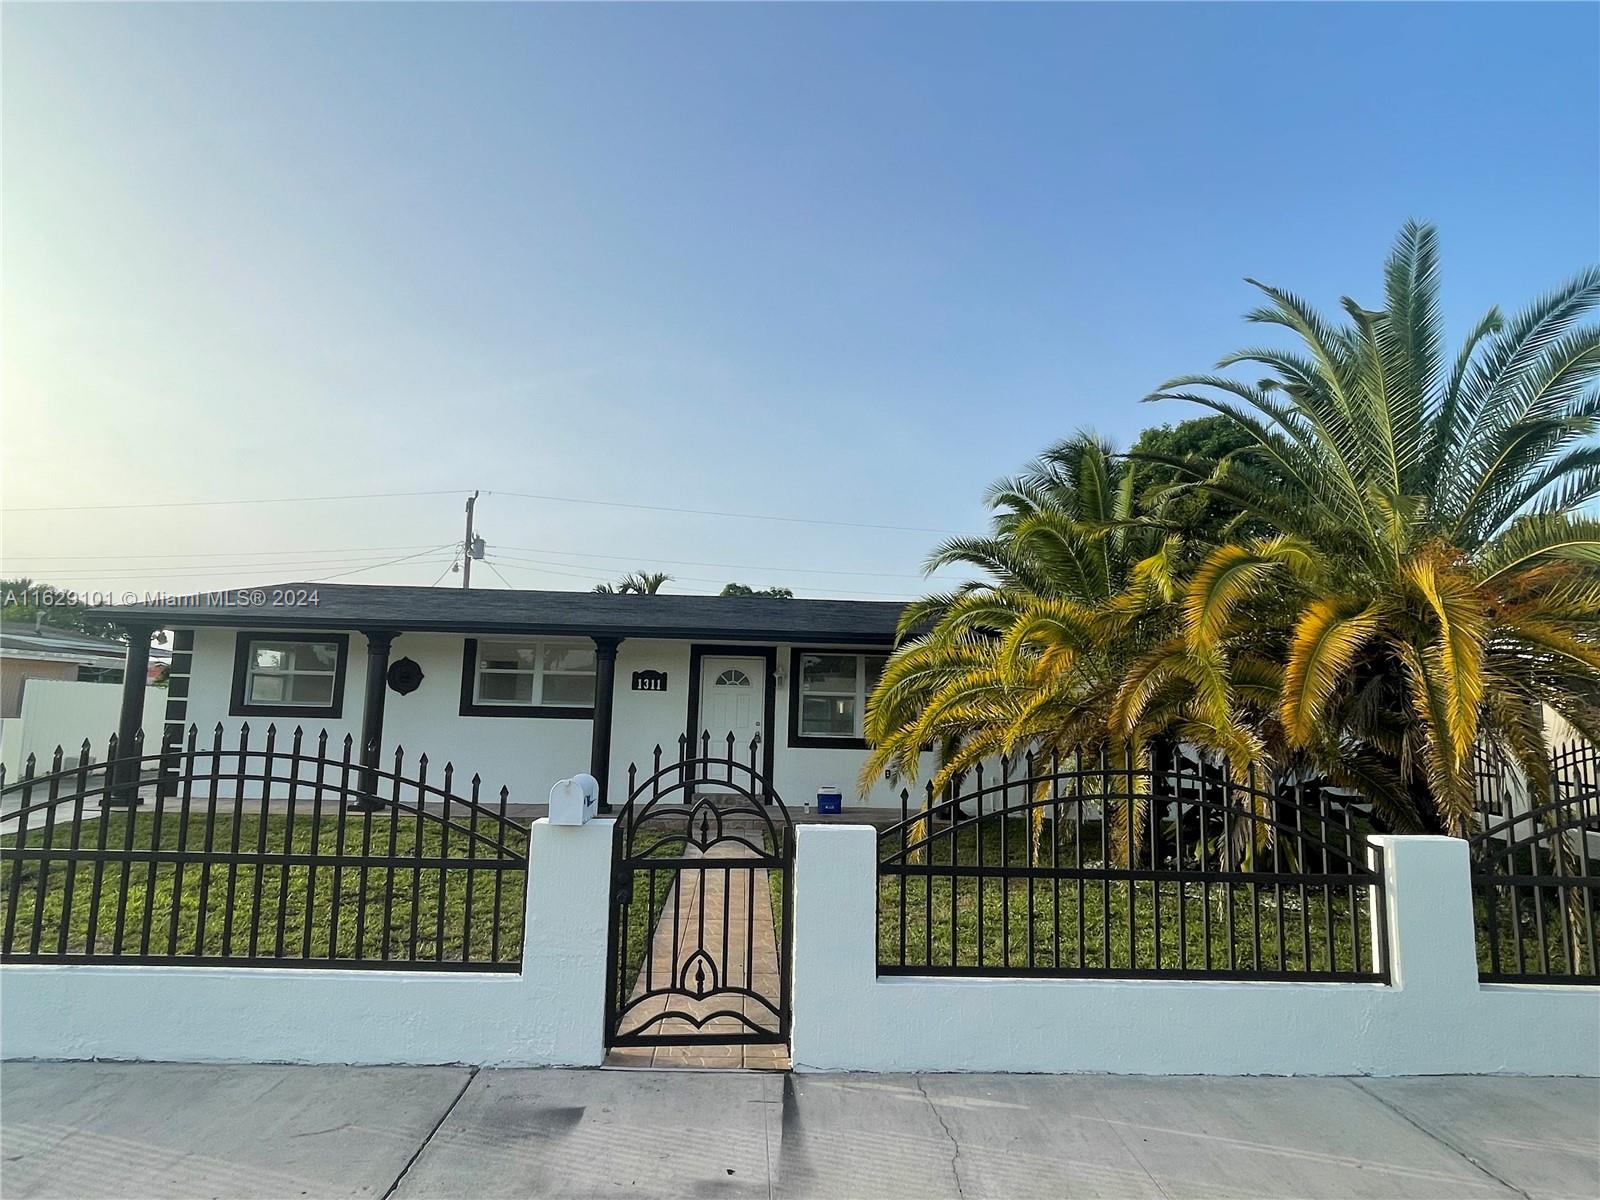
[(470, 707), (812, 741), (239, 702)]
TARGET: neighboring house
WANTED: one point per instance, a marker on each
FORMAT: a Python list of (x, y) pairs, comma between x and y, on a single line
[(526, 687), (45, 653)]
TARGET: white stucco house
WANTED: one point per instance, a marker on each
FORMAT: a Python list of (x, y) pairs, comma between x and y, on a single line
[(526, 687)]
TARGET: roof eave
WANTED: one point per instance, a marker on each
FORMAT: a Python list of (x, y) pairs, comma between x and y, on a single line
[(302, 619)]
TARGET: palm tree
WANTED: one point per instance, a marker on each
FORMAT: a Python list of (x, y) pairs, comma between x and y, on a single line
[(1433, 573), (642, 583), (1023, 656)]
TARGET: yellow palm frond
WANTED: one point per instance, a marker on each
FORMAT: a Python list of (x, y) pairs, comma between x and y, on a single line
[(1327, 638), (1229, 575), (1457, 651)]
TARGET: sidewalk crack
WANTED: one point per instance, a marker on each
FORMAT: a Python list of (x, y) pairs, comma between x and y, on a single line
[(1435, 1136), (472, 1073), (955, 1144)]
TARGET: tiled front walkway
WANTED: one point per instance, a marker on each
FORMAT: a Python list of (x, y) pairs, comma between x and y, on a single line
[(724, 926)]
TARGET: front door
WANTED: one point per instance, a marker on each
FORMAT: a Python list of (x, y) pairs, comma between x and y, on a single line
[(733, 695)]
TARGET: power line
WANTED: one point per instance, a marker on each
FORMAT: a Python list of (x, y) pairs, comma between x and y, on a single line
[(712, 512), (376, 566), (445, 572), (694, 512), (86, 581), (528, 564), (39, 508), (213, 553), (153, 570), (132, 565), (589, 578), (689, 562), (502, 578)]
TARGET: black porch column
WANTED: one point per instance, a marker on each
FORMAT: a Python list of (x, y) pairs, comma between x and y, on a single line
[(605, 684), (378, 643), (135, 669)]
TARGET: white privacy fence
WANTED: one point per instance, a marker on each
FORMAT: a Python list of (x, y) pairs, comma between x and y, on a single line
[(59, 712)]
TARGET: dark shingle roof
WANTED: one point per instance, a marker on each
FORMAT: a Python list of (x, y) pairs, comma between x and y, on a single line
[(458, 610)]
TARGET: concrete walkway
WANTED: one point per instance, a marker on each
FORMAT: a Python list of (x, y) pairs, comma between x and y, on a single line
[(152, 1130)]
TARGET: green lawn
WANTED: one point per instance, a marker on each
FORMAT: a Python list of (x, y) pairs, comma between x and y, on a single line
[(1074, 924), (382, 912), (1569, 931), (651, 891)]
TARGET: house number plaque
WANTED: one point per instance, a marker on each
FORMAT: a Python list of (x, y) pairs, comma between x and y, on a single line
[(649, 681)]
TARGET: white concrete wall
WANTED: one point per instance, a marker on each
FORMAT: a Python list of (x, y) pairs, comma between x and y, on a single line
[(1557, 731), (59, 712), (1435, 1019), (551, 1014)]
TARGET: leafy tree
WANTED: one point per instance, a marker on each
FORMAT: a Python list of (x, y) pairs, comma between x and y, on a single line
[(1175, 460), (744, 589), (24, 599), (643, 583)]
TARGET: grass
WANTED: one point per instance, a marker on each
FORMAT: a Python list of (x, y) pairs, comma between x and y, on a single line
[(1519, 920), (1047, 924), (651, 890), (403, 913)]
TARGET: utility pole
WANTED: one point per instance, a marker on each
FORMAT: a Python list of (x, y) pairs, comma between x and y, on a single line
[(466, 545)]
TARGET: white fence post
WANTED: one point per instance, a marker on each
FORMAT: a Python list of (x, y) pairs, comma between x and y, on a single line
[(564, 935), (835, 937), (1428, 900)]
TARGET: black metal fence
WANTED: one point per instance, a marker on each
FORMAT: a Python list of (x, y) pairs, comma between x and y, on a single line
[(1536, 870), (1090, 865), (287, 856)]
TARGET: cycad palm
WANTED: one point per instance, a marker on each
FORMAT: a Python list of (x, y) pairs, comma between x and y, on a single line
[(1024, 656), (1434, 579)]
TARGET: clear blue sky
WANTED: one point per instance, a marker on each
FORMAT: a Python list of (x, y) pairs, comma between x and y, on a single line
[(839, 262)]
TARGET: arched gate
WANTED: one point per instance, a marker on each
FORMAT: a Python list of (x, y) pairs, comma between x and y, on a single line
[(701, 903)]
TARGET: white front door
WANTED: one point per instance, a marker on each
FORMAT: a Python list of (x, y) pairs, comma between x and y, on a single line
[(733, 695)]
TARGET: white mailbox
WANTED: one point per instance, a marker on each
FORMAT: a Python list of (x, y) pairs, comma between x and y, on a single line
[(573, 801)]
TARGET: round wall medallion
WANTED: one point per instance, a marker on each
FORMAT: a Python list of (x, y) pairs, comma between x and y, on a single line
[(405, 676)]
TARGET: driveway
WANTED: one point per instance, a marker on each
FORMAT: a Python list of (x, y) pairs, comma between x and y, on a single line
[(157, 1130)]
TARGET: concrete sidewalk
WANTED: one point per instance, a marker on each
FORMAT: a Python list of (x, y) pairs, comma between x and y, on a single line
[(109, 1129)]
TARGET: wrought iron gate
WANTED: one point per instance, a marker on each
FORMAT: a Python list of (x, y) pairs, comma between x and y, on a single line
[(701, 904)]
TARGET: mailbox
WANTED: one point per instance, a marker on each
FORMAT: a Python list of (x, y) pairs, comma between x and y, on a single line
[(573, 801)]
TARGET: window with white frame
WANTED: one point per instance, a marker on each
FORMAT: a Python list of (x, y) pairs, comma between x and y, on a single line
[(289, 673), (545, 674), (832, 691)]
